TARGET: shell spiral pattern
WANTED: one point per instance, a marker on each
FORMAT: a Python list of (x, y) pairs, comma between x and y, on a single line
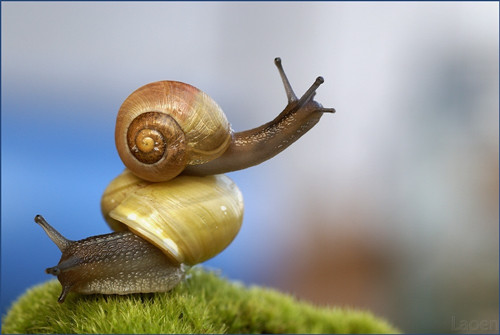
[(164, 126)]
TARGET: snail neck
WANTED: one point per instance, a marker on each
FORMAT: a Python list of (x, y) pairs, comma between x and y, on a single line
[(254, 146)]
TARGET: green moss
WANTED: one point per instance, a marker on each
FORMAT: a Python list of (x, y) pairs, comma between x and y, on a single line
[(204, 303)]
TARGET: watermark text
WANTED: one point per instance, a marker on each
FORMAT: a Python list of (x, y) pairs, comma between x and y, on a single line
[(473, 325)]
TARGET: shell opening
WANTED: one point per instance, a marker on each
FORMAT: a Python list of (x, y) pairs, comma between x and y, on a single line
[(165, 243)]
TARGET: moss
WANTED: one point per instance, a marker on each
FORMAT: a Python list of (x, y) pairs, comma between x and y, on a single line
[(204, 303)]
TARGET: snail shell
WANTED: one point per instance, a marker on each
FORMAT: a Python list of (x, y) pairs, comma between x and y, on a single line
[(164, 126), (190, 218)]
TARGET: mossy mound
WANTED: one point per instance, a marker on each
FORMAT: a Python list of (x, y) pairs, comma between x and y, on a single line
[(204, 303)]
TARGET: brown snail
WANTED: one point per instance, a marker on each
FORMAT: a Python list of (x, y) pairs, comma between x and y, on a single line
[(167, 127), (172, 207)]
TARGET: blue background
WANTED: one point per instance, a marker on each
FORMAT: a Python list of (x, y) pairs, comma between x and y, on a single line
[(391, 204)]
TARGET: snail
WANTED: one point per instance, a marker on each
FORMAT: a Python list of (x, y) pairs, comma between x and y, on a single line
[(171, 226), (172, 207), (167, 127)]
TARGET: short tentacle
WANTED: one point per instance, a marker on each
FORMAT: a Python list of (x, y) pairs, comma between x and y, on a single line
[(65, 265), (55, 271), (311, 92), (65, 290)]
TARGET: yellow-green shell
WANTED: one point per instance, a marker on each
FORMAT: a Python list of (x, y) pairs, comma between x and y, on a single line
[(197, 132), (190, 218)]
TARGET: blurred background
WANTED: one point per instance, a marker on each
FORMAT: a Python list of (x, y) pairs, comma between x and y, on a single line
[(389, 205)]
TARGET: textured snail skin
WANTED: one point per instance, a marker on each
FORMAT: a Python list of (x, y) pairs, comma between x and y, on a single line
[(99, 264)]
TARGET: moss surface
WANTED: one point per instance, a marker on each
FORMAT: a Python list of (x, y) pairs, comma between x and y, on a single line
[(204, 303)]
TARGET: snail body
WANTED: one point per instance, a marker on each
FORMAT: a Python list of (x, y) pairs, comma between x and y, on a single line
[(172, 207), (107, 269)]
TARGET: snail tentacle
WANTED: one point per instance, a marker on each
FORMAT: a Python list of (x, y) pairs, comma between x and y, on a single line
[(290, 94), (65, 265), (56, 237), (65, 290)]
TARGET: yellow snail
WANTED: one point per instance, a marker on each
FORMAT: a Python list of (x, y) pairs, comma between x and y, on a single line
[(172, 207)]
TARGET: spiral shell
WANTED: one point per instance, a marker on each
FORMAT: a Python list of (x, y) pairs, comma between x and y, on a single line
[(164, 126), (191, 219)]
